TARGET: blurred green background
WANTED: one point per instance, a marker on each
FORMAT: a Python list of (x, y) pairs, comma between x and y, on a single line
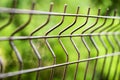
[(30, 60)]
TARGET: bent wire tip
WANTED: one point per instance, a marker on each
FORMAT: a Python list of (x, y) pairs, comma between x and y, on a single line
[(88, 11), (51, 4)]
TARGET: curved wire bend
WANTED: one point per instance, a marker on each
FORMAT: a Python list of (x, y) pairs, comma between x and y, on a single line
[(11, 16)]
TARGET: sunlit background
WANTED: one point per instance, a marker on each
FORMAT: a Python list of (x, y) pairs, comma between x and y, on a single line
[(11, 63)]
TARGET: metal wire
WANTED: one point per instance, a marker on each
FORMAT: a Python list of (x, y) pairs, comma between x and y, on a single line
[(99, 30), (53, 66), (35, 12)]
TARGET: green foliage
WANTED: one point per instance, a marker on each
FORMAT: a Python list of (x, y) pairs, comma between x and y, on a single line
[(111, 4), (29, 58)]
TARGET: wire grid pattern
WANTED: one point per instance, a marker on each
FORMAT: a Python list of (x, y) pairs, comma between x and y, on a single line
[(89, 46)]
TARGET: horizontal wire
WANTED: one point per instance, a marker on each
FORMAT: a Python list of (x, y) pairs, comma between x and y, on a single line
[(37, 12), (10, 74), (54, 36)]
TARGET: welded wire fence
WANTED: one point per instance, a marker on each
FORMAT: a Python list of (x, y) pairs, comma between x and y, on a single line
[(59, 46)]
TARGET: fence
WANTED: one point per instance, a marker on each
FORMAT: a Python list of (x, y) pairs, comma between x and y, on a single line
[(80, 46)]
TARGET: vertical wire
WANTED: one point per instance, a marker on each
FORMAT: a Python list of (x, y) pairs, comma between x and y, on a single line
[(36, 52), (80, 27), (53, 28), (67, 59), (1, 66), (13, 45), (104, 45), (52, 52), (118, 43), (84, 42), (88, 49), (113, 49), (32, 44), (96, 45), (77, 50), (54, 57), (106, 49), (97, 54), (67, 29), (5, 25), (115, 36)]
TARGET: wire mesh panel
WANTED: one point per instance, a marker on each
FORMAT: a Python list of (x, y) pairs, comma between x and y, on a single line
[(48, 45)]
